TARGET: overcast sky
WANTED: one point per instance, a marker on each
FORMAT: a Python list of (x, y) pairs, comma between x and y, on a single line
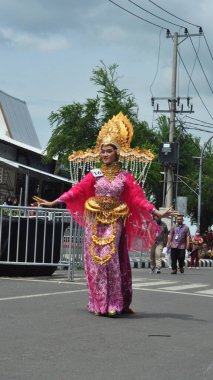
[(50, 47)]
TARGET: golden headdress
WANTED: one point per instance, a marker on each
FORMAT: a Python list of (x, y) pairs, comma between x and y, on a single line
[(118, 131)]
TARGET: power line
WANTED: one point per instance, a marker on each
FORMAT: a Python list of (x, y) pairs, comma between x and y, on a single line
[(190, 136), (158, 60), (191, 126), (161, 27), (199, 129), (171, 14), (133, 14), (208, 46), (193, 118), (201, 125), (194, 86), (187, 22), (153, 14), (193, 67), (200, 64)]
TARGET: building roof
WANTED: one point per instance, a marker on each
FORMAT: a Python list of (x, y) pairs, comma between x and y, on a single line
[(16, 122), (36, 172), (30, 148)]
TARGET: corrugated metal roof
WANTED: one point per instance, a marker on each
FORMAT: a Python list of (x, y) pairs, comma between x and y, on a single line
[(18, 120), (37, 172), (21, 144)]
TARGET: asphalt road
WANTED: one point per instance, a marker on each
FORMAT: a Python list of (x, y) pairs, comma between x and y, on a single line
[(47, 333)]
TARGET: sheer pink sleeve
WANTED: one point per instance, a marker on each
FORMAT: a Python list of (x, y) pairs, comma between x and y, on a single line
[(76, 197), (140, 227)]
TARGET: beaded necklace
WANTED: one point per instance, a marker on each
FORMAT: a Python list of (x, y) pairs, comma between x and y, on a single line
[(110, 171)]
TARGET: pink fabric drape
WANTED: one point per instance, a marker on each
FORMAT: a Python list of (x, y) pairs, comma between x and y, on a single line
[(140, 227), (76, 197)]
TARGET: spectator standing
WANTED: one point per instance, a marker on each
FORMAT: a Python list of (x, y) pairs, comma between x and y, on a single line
[(178, 241), (194, 255), (157, 248), (197, 238)]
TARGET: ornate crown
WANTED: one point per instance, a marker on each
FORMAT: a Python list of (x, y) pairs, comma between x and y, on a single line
[(118, 131)]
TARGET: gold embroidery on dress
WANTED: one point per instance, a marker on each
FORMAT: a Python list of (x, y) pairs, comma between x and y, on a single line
[(110, 171), (104, 210)]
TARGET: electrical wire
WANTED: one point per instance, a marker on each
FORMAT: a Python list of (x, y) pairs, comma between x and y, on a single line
[(193, 118), (158, 60), (208, 46), (190, 136), (201, 125), (194, 86), (193, 67), (201, 64), (191, 126), (187, 133), (187, 22), (153, 14), (198, 129), (133, 14), (161, 27), (171, 14)]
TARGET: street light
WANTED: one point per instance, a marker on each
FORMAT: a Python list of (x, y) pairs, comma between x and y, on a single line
[(200, 182)]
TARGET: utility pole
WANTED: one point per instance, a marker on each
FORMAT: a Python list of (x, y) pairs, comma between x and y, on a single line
[(173, 101), (169, 169)]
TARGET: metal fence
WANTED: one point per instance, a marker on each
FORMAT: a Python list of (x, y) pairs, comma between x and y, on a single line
[(37, 241)]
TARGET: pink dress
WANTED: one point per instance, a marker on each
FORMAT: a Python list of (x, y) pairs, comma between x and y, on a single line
[(110, 284)]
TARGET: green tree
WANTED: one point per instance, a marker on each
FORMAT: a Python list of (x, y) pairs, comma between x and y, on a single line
[(112, 99), (74, 127)]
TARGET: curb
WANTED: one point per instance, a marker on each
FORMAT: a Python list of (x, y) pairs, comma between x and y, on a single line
[(137, 263)]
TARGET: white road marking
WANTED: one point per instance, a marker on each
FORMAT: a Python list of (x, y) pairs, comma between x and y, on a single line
[(184, 286), (172, 292), (157, 283), (42, 295), (50, 281), (207, 291)]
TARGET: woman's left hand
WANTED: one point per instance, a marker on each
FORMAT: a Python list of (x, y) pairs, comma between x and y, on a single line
[(166, 213)]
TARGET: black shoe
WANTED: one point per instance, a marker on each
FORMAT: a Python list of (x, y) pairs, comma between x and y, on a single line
[(174, 271), (181, 270)]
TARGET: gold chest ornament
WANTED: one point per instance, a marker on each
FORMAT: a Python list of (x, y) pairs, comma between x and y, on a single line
[(104, 210)]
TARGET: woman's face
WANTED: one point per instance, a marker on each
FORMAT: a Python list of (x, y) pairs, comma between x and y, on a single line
[(108, 154)]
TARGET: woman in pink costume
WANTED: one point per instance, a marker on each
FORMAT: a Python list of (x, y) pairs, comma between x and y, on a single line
[(117, 217)]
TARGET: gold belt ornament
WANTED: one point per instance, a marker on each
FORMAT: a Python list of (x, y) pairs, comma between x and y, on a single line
[(104, 210)]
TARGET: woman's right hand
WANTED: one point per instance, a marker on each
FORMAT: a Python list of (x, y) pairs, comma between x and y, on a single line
[(45, 203)]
